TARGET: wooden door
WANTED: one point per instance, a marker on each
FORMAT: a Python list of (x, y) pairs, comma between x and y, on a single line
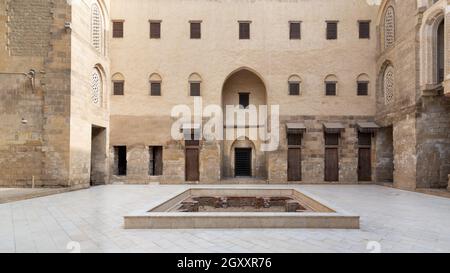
[(243, 162), (192, 164), (364, 164), (331, 165), (294, 164)]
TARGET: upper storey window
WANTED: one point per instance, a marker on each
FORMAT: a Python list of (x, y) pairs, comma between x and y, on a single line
[(96, 27), (244, 30), (389, 27), (332, 30)]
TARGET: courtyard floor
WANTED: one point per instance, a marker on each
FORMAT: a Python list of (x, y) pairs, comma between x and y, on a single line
[(394, 220)]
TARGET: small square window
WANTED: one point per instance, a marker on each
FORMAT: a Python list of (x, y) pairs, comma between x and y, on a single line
[(155, 89), (118, 87), (332, 30), (364, 30), (330, 88), (155, 30), (294, 88), (244, 100), (295, 31), (196, 30), (363, 88), (195, 89), (244, 30), (118, 29), (294, 139), (331, 139)]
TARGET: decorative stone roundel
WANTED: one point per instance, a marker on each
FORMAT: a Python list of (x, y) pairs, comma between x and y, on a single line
[(388, 85), (389, 27), (96, 86)]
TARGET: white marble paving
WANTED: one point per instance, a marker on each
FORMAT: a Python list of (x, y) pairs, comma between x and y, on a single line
[(399, 221)]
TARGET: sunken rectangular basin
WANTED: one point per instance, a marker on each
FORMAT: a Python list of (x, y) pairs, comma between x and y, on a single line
[(242, 208)]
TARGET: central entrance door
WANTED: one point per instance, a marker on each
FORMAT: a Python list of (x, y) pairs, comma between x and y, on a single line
[(243, 162), (331, 165)]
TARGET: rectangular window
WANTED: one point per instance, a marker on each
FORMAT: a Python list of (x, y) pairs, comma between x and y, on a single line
[(363, 88), (364, 139), (330, 89), (195, 89), (331, 139), (295, 30), (155, 30), (120, 160), (294, 89), (364, 30), (118, 87), (155, 161), (244, 30), (332, 30), (196, 30), (155, 89), (118, 29), (244, 99), (294, 139)]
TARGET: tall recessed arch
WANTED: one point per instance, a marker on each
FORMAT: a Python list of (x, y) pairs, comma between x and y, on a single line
[(432, 49)]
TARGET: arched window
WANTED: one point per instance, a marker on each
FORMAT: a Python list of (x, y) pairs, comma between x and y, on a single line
[(155, 84), (96, 86), (389, 27), (96, 27), (388, 85), (294, 82), (331, 82), (195, 84), (362, 83), (118, 81)]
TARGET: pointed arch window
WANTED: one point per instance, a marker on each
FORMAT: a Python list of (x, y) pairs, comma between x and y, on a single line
[(389, 27), (96, 27), (388, 85), (96, 87)]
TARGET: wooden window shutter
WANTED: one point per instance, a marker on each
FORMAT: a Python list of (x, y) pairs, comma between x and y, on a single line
[(295, 31), (118, 29), (155, 30), (119, 88), (364, 30), (195, 89), (330, 89), (196, 30), (155, 89), (332, 30), (244, 30)]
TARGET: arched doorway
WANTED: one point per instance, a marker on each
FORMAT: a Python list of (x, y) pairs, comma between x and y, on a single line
[(243, 92)]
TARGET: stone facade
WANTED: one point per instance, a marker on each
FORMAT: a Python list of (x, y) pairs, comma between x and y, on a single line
[(63, 124)]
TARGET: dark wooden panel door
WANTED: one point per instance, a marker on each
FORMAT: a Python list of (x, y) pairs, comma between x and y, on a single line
[(331, 165), (192, 164), (243, 162), (294, 164), (364, 164)]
